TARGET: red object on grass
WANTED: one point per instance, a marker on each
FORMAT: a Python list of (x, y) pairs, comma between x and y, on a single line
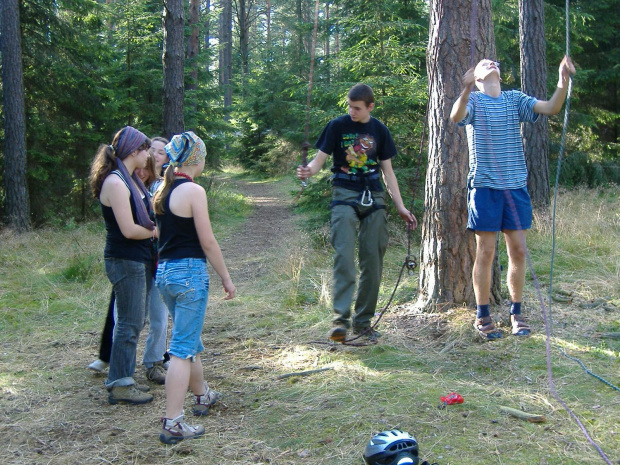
[(452, 398)]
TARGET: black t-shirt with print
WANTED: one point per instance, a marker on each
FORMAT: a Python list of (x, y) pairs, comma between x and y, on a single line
[(357, 149)]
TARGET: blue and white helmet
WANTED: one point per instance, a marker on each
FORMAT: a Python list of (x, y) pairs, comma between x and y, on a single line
[(393, 447)]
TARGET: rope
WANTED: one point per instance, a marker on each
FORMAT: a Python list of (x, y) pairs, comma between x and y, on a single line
[(306, 144)]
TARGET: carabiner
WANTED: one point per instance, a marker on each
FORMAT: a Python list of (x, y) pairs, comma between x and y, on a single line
[(366, 200)]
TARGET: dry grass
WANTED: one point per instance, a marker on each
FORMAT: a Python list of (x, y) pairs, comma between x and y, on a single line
[(53, 295)]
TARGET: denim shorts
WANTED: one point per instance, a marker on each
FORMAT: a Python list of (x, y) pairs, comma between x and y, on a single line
[(497, 210), (184, 287)]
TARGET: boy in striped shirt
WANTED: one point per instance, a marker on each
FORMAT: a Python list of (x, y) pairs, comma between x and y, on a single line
[(497, 197)]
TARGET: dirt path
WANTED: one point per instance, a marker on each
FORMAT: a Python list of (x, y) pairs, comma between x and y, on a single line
[(269, 226)]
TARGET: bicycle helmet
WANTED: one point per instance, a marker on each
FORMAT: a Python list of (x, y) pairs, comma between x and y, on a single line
[(393, 447)]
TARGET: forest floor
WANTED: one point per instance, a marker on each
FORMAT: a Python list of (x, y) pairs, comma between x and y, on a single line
[(55, 411)]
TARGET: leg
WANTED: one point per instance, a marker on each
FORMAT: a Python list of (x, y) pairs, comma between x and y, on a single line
[(343, 228), (158, 325), (483, 266), (516, 247), (372, 244), (176, 385), (184, 286), (481, 276), (517, 250), (105, 348), (131, 290)]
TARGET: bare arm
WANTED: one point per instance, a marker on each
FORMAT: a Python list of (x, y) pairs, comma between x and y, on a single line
[(459, 109), (391, 184), (209, 244), (115, 194), (554, 104), (304, 172)]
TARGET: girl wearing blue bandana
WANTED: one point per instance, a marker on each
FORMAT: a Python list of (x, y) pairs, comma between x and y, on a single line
[(186, 242)]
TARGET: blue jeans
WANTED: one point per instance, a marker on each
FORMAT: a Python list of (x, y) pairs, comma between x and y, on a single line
[(158, 324), (184, 286), (132, 288)]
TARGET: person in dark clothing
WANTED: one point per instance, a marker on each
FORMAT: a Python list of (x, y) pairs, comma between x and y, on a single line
[(362, 150)]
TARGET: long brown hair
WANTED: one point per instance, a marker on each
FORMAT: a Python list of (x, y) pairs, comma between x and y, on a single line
[(163, 191), (103, 164)]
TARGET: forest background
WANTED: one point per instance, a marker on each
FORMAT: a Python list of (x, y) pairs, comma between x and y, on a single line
[(91, 67)]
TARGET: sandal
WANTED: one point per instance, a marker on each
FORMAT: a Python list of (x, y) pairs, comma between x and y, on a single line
[(486, 329), (519, 326)]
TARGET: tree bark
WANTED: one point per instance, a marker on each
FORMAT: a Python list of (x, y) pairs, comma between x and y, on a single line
[(534, 83), (460, 35), (173, 62), (225, 34), (193, 43), (15, 185)]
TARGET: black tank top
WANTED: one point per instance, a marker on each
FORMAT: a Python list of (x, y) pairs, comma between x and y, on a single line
[(177, 235), (117, 245)]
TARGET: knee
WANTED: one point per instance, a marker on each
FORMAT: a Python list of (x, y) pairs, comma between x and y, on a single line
[(484, 255), (517, 254)]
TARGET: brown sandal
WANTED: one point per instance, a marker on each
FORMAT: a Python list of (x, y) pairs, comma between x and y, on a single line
[(486, 329), (519, 326)]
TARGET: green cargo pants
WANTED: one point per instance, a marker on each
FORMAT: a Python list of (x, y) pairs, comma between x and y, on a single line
[(372, 242)]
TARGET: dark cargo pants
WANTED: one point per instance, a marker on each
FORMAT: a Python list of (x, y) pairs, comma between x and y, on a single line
[(372, 238)]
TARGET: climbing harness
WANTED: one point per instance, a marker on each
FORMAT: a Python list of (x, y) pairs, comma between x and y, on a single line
[(365, 204)]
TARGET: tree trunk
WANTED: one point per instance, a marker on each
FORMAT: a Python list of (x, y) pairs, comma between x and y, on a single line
[(244, 38), (15, 186), (193, 44), (534, 83), (460, 35), (268, 46), (173, 61), (225, 34)]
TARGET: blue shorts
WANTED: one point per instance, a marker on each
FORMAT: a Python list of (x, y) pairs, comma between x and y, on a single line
[(184, 288), (497, 210)]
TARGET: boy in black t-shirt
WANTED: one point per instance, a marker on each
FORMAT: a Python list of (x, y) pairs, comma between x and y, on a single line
[(361, 147)]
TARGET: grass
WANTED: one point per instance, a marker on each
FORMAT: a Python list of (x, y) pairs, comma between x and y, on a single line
[(54, 291)]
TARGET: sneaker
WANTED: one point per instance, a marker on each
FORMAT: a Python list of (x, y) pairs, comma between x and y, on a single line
[(367, 332), (156, 373), (128, 395), (176, 430), (205, 401), (98, 366), (337, 333)]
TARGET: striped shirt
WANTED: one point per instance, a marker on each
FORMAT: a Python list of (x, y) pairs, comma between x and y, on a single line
[(496, 158)]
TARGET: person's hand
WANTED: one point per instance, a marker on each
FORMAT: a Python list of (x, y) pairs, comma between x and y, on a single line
[(469, 79), (411, 220), (229, 288), (567, 68), (303, 172)]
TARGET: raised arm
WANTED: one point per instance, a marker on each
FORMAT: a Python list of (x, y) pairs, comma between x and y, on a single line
[(554, 104), (459, 109)]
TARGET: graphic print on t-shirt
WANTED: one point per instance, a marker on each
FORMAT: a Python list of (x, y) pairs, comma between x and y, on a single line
[(360, 152)]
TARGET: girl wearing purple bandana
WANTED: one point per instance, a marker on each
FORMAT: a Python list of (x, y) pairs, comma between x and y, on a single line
[(126, 208)]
